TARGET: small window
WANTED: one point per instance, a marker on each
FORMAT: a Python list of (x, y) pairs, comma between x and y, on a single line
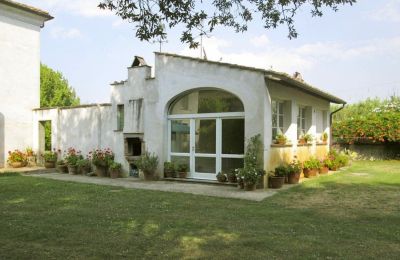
[(120, 117), (301, 122), (277, 118)]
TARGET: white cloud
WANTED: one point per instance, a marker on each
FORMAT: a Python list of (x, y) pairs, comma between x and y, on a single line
[(259, 41), (62, 33), (302, 58), (389, 12)]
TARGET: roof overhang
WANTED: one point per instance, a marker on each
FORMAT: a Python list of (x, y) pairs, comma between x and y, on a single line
[(27, 8)]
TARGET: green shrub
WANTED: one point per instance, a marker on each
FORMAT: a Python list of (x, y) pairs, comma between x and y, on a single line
[(148, 162), (115, 166), (281, 171), (295, 167), (169, 166), (312, 163)]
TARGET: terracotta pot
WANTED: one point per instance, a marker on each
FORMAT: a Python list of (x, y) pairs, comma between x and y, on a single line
[(333, 168), (73, 169), (302, 141), (101, 171), (49, 165), (308, 173), (232, 178), (323, 170), (17, 164), (240, 184), (293, 178), (221, 178), (276, 182), (148, 176), (182, 174), (62, 168), (114, 173), (169, 174), (250, 186)]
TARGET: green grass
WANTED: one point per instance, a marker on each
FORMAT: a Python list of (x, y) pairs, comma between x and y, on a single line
[(353, 214)]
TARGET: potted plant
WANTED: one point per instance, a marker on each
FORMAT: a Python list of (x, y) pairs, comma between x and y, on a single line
[(72, 157), (294, 171), (280, 139), (251, 176), (50, 158), (311, 167), (30, 156), (305, 139), (221, 177), (325, 166), (182, 169), (115, 170), (277, 179), (324, 137), (148, 164), (169, 170), (83, 166), (62, 166), (101, 159), (239, 178), (16, 159), (232, 176)]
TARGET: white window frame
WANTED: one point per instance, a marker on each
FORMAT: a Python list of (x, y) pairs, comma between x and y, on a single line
[(301, 121), (279, 130)]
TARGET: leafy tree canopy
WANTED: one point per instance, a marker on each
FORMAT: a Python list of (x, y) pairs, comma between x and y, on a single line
[(152, 17), (55, 90)]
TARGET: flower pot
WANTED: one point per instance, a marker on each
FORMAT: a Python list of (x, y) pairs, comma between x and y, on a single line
[(293, 178), (73, 169), (84, 170), (49, 165), (182, 174), (308, 173), (249, 186), (240, 184), (232, 178), (302, 141), (114, 173), (333, 168), (221, 178), (323, 170), (101, 171), (276, 182), (16, 164), (148, 176), (169, 174), (62, 168)]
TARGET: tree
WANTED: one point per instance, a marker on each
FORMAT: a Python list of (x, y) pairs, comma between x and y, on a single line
[(54, 91), (151, 17)]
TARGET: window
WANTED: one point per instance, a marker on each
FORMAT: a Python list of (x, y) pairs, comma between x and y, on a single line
[(277, 118), (301, 121), (120, 117), (206, 101)]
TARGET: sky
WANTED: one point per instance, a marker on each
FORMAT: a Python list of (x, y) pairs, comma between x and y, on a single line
[(353, 53)]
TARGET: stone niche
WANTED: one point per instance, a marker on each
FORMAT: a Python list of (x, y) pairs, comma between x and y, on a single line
[(133, 148)]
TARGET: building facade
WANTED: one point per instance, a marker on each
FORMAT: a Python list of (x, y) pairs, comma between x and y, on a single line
[(196, 111), (20, 27)]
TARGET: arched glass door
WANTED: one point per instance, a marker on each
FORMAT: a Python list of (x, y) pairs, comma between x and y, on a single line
[(206, 131)]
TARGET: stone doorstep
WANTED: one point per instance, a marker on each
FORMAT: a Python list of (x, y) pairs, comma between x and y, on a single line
[(200, 181)]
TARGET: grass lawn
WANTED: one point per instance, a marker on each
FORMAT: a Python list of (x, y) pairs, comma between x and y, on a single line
[(353, 214)]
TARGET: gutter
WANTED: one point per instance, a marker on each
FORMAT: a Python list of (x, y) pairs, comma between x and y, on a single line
[(330, 124)]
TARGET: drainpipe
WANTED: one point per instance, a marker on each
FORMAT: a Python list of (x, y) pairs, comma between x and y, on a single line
[(330, 124)]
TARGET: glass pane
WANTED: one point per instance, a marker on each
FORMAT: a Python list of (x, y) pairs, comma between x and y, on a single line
[(280, 107), (233, 136), (205, 135), (207, 101), (274, 133), (181, 160), (229, 164), (180, 136), (281, 121), (274, 120), (205, 164), (273, 105)]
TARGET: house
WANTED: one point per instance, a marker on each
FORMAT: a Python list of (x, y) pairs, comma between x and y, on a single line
[(20, 27), (196, 111)]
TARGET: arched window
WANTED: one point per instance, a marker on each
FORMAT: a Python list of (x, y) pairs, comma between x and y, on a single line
[(206, 101)]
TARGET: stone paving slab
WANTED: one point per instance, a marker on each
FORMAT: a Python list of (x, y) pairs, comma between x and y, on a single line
[(31, 169), (197, 189)]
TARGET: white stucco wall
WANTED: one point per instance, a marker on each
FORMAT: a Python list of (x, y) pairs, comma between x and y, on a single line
[(19, 77)]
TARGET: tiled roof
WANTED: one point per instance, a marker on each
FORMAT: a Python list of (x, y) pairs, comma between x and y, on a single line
[(270, 75), (27, 8)]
